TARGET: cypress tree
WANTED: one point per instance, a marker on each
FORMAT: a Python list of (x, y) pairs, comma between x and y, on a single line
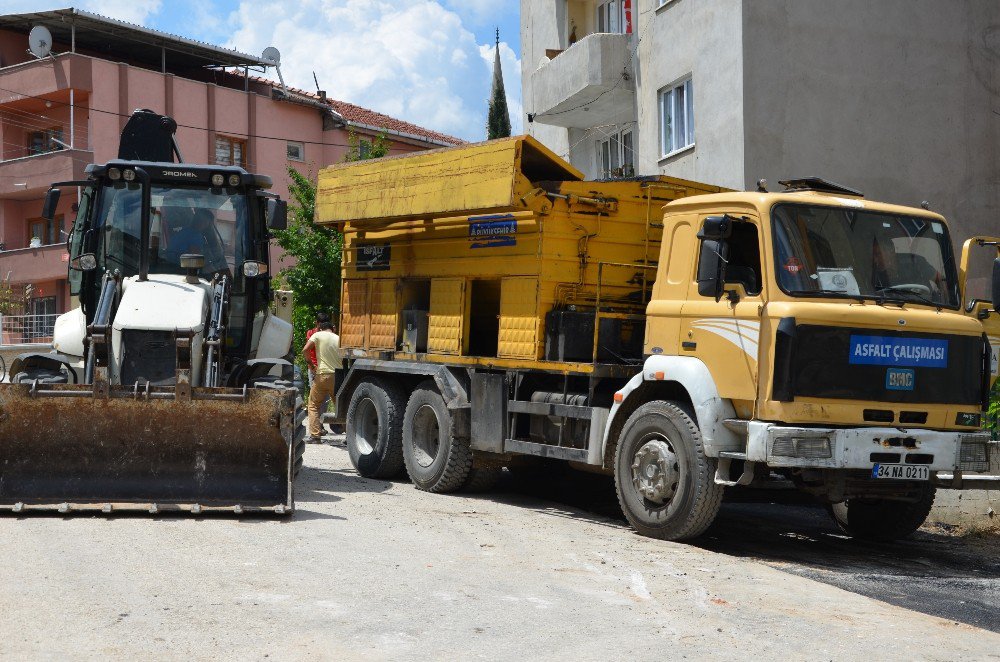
[(498, 118)]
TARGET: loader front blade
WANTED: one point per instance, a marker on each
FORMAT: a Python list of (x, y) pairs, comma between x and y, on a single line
[(70, 447)]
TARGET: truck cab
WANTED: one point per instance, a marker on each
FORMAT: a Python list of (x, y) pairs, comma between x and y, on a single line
[(820, 336)]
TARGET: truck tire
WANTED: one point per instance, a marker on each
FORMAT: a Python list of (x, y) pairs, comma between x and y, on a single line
[(665, 483), (374, 429), (883, 520), (438, 458)]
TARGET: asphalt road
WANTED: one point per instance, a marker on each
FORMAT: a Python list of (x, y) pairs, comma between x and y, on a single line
[(932, 572), (369, 569)]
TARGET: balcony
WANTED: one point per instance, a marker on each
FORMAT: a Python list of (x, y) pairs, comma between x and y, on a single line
[(35, 265), (25, 177), (584, 85)]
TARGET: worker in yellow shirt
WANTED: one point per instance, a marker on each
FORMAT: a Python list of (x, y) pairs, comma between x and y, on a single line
[(326, 344)]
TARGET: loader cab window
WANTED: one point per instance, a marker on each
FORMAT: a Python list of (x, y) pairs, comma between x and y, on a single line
[(182, 220)]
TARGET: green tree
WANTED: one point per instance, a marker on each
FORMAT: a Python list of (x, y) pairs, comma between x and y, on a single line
[(315, 277), (359, 149)]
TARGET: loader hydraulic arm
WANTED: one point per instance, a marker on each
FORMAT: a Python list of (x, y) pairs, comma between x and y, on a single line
[(99, 331), (216, 330)]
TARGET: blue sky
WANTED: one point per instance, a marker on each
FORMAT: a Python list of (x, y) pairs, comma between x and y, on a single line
[(425, 61)]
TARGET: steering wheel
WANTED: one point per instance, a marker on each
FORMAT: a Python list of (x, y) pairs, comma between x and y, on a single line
[(916, 288)]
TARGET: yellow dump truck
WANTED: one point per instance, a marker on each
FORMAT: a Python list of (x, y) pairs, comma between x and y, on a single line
[(678, 336)]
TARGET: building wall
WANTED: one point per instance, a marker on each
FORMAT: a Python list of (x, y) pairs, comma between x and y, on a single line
[(544, 25), (898, 98), (701, 39)]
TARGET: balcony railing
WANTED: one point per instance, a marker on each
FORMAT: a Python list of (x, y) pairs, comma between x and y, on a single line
[(27, 329)]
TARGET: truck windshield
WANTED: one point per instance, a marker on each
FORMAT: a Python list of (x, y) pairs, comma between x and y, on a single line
[(851, 253), (183, 220)]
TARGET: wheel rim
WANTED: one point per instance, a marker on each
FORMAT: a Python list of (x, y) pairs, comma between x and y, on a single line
[(366, 426), (426, 436), (655, 470)]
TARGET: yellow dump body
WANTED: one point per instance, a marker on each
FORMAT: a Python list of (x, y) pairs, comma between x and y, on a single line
[(484, 241)]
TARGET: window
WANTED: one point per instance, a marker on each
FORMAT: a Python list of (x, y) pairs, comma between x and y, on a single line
[(741, 255), (48, 232), (296, 151), (676, 118), (41, 317), (230, 151), (615, 155), (364, 148), (611, 16), (47, 140)]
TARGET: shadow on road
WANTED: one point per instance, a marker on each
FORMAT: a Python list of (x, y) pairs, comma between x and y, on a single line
[(942, 575)]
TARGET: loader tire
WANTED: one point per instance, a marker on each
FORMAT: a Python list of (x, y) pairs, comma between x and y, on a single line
[(438, 457), (299, 434), (665, 483), (43, 375), (374, 430), (883, 520)]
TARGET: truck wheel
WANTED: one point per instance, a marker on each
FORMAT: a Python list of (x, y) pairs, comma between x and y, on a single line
[(883, 520), (666, 485), (374, 429), (437, 458)]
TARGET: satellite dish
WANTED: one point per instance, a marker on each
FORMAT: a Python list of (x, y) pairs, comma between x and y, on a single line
[(272, 55), (40, 41)]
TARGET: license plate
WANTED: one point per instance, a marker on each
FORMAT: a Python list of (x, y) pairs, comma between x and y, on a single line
[(901, 472)]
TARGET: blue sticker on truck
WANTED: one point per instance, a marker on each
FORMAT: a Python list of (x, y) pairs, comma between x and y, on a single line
[(892, 351), (900, 379), (492, 231)]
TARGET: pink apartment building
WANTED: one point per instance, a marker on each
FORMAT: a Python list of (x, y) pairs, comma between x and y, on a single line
[(60, 112)]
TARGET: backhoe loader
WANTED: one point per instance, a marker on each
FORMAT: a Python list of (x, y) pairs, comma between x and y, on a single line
[(170, 386)]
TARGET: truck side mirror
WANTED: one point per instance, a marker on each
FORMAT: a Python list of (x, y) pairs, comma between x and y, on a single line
[(995, 288), (718, 228), (277, 214), (712, 268), (50, 203)]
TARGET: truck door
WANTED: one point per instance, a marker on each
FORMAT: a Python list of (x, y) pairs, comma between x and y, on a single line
[(725, 333), (975, 272)]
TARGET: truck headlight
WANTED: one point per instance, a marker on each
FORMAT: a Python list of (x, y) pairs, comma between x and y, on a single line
[(804, 447)]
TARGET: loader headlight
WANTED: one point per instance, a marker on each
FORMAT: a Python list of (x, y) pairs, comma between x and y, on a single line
[(114, 174), (234, 180), (253, 269), (128, 175), (218, 179)]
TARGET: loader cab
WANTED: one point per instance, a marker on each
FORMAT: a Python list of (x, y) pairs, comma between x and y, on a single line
[(218, 212)]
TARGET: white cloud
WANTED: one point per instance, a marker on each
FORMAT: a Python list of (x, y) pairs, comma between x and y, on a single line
[(417, 61), (482, 12), (133, 11)]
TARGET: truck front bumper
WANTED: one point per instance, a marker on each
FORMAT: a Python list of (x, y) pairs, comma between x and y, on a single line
[(862, 448)]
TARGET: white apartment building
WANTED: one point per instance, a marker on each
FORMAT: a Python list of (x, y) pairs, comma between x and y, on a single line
[(897, 98)]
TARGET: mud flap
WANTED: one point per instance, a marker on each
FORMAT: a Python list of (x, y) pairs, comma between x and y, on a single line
[(69, 447)]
